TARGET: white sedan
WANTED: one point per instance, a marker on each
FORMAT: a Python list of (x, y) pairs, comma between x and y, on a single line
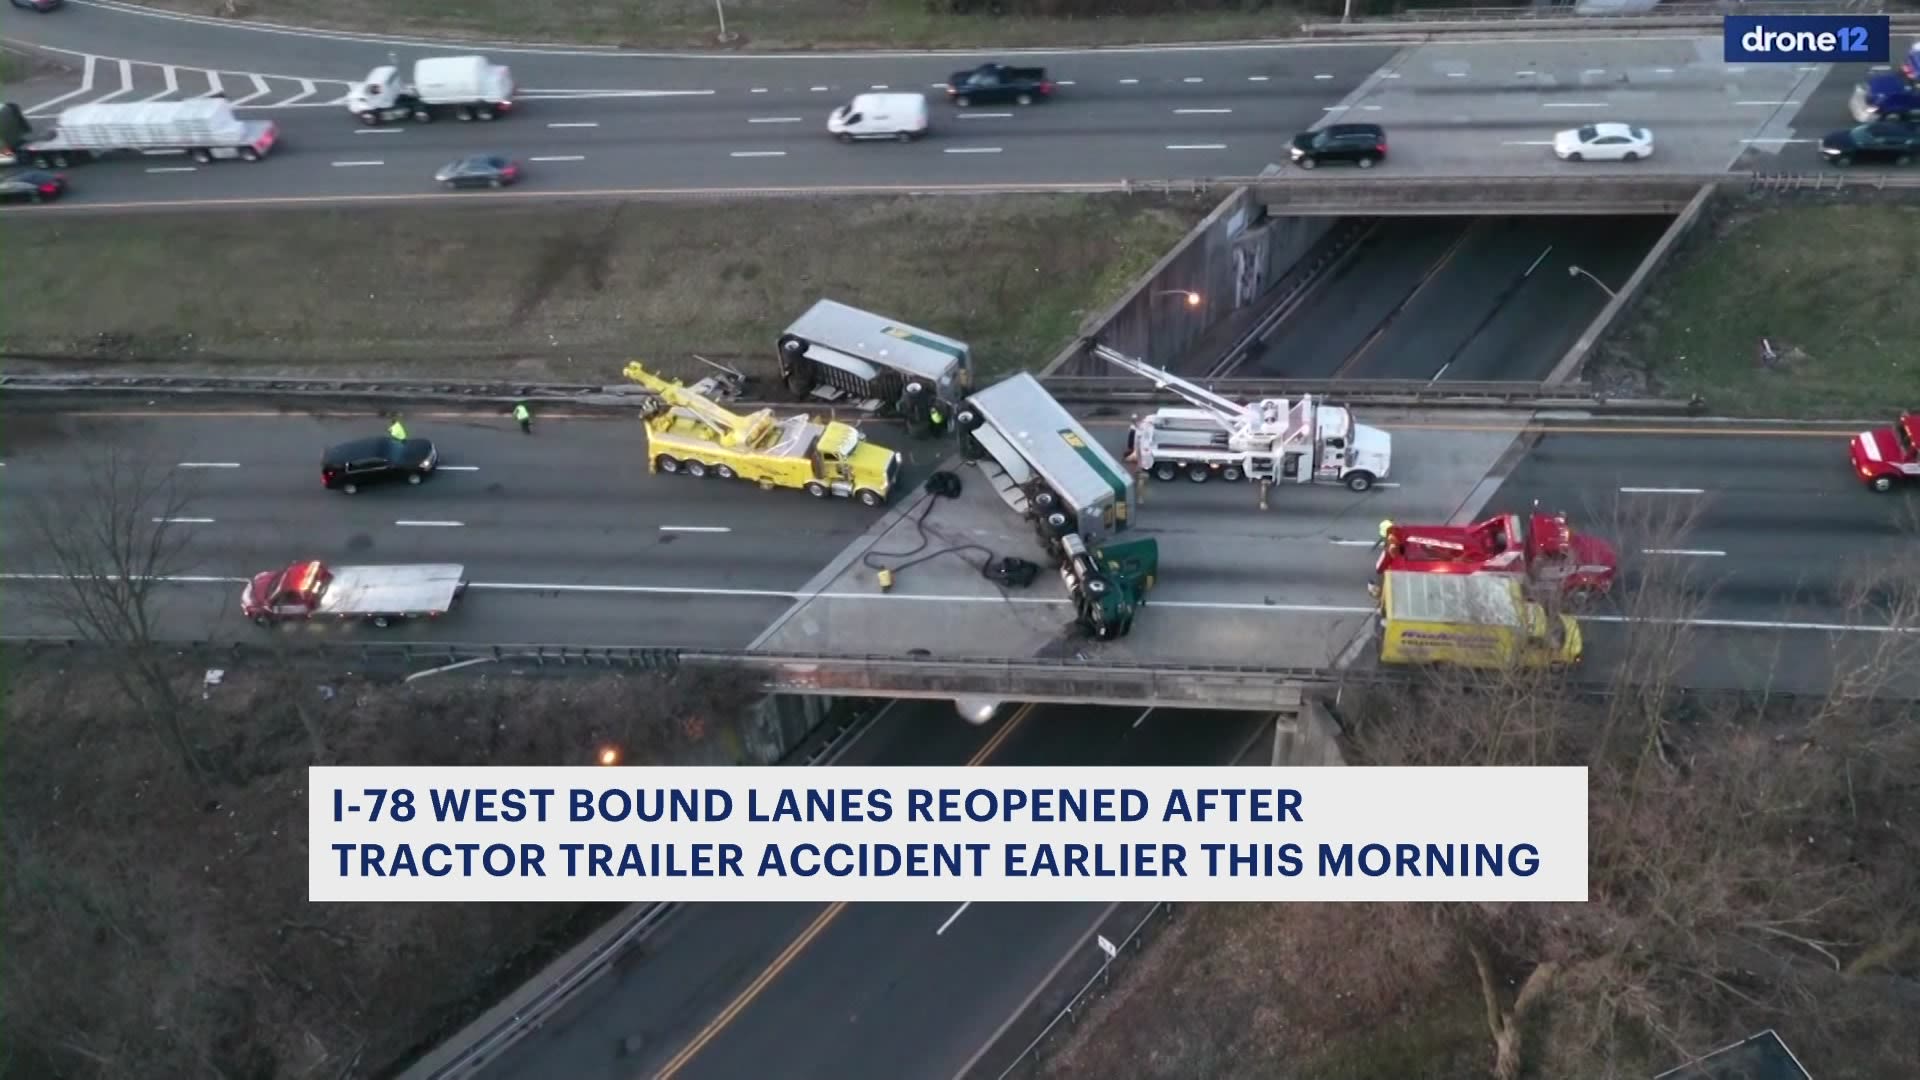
[(1604, 142)]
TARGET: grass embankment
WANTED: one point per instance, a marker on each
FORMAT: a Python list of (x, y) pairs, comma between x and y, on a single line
[(765, 24), (154, 927), (1830, 287), (566, 293)]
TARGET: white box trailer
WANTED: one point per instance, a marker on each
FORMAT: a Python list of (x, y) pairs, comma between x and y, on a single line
[(205, 129), (468, 87), (841, 354), (1042, 462)]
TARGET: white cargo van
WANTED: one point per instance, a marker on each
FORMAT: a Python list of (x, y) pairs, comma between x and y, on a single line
[(880, 116)]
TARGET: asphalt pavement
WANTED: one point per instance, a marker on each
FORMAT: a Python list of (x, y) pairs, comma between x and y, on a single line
[(1457, 298), (876, 989)]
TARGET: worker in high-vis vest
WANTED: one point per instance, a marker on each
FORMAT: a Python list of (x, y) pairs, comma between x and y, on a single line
[(397, 430), (524, 417)]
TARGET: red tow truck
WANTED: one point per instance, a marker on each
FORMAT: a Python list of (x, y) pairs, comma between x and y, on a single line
[(1885, 456), (381, 595), (1538, 545)]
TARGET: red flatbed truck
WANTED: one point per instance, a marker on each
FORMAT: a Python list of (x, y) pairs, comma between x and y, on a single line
[(1883, 457), (381, 595), (1539, 546)]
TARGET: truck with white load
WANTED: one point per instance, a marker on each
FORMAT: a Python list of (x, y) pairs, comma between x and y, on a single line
[(381, 595), (469, 87), (1049, 469), (205, 129), (843, 355), (1270, 441)]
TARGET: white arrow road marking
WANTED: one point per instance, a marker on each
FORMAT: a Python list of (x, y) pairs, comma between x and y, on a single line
[(86, 87), (260, 90), (173, 84), (126, 83), (307, 90), (213, 84)]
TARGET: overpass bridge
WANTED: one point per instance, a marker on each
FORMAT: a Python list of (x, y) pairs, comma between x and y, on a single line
[(1319, 195)]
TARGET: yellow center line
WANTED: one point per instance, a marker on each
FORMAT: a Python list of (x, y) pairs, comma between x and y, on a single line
[(814, 929)]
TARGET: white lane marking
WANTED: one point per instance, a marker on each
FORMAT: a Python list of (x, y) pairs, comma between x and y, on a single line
[(1371, 108), (1391, 75), (1263, 78), (307, 90), (1764, 104), (355, 164), (1323, 76), (758, 153), (1193, 79), (1357, 543), (209, 465), (879, 86), (1064, 82), (1594, 71), (758, 90), (432, 524), (1683, 551), (86, 86), (378, 131), (1197, 605), (950, 918), (561, 157), (1199, 112), (1663, 491), (1142, 718), (937, 86), (817, 89), (1198, 146), (1131, 82), (126, 84), (1573, 104), (1396, 483), (175, 168), (260, 90), (1536, 263), (576, 124), (182, 521), (173, 84), (1528, 142), (1663, 71), (459, 468), (214, 86), (1456, 74), (773, 120), (1881, 67), (1736, 69), (1809, 67), (971, 150), (1525, 74), (983, 116), (696, 528)]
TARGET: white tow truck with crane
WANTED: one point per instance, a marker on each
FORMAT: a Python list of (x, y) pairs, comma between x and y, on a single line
[(1270, 441)]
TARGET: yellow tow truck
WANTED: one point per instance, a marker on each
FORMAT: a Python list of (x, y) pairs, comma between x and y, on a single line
[(692, 434)]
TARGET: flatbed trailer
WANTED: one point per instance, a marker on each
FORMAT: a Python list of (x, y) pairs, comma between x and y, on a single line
[(381, 595), (204, 129)]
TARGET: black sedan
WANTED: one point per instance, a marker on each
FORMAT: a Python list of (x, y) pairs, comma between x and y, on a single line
[(351, 466), (480, 170), (1364, 145), (32, 185), (1892, 143)]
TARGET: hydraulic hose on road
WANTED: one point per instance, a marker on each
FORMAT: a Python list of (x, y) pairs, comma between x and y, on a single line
[(1009, 571)]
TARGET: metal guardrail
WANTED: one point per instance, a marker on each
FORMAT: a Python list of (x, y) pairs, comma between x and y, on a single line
[(1134, 941), (1077, 389), (1574, 194)]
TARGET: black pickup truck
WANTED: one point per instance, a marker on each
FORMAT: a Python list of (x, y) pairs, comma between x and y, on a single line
[(996, 84)]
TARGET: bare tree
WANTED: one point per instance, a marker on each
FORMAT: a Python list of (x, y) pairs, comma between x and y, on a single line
[(111, 542)]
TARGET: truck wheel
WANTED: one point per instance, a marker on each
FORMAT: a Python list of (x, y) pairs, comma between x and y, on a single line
[(696, 469), (1232, 473), (1044, 501), (725, 472), (60, 161), (351, 489), (1882, 484), (382, 621), (370, 118), (486, 114), (1165, 470), (204, 157), (42, 161), (868, 497), (667, 463), (464, 113), (248, 153), (1199, 474), (423, 116), (817, 489), (1359, 481)]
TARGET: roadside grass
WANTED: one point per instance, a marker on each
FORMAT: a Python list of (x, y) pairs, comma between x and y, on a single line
[(752, 24), (1831, 287), (1274, 991), (481, 288)]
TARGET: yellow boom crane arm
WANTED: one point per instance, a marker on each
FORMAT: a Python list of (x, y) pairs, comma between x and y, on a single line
[(734, 429)]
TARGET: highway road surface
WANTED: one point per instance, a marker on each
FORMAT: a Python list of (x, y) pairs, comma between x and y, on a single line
[(595, 120), (1457, 298), (872, 989)]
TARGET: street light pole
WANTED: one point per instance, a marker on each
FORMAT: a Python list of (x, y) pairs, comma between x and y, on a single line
[(1575, 271), (722, 13)]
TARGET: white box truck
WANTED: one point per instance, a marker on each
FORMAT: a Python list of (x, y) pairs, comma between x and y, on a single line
[(469, 87), (204, 129)]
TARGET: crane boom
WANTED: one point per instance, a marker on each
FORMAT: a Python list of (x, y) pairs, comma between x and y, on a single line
[(1236, 413), (734, 429)]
